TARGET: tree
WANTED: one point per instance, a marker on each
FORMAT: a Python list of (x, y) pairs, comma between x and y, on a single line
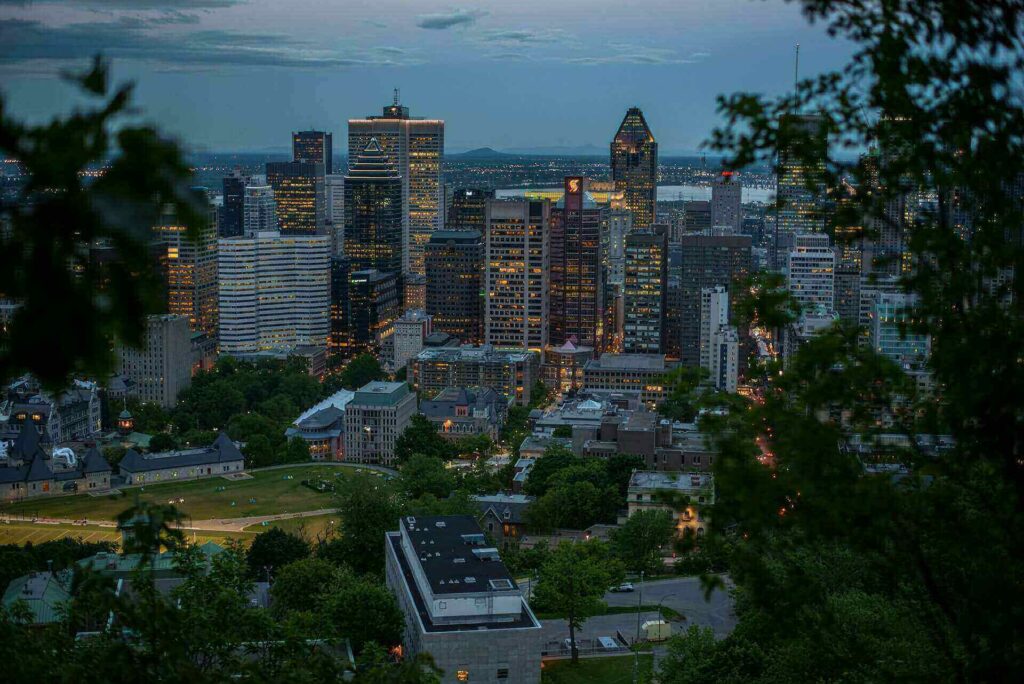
[(363, 611), (62, 207), (297, 451), (421, 475), (369, 507), (374, 666), (555, 458), (162, 442), (639, 542), (573, 581), (272, 550), (563, 431), (303, 584), (421, 437), (359, 371), (681, 403)]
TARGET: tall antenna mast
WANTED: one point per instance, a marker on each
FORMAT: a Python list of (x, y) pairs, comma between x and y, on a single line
[(796, 67), (396, 97)]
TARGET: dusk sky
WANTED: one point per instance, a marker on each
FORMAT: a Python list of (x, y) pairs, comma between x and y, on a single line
[(241, 74)]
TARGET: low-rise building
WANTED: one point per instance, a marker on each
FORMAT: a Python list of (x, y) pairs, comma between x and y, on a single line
[(47, 595), (32, 467), (220, 458), (411, 329), (374, 420), (563, 366), (323, 427), (503, 516), (691, 495), (466, 412), (511, 372), (641, 372), (460, 603)]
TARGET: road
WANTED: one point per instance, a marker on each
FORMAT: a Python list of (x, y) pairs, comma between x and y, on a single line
[(685, 595)]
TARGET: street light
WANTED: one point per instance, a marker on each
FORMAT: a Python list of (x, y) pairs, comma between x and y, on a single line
[(654, 653), (636, 653)]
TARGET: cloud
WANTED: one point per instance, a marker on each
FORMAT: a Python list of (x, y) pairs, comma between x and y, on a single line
[(623, 53), (459, 17), (699, 55), (132, 4), (525, 36), (130, 38)]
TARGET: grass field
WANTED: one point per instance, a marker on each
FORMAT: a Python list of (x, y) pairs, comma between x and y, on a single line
[(604, 670), (37, 533), (312, 528), (273, 494)]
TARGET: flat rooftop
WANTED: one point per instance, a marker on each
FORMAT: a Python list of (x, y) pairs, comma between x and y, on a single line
[(684, 482), (455, 556), (652, 362)]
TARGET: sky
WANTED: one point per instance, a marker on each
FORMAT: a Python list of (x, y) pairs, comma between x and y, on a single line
[(240, 75)]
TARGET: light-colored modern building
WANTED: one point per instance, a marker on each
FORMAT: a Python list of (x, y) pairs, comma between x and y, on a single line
[(275, 292), (620, 223), (220, 458), (374, 420), (510, 372), (516, 273), (460, 603), (323, 427), (410, 331), (416, 148), (644, 373), (647, 489), (724, 358), (810, 271), (259, 211), (162, 367), (714, 312)]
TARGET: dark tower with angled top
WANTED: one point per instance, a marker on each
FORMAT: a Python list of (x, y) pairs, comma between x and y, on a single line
[(634, 159), (373, 212)]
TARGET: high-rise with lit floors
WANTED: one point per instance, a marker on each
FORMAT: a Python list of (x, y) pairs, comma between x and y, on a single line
[(189, 268), (468, 209), (516, 268), (455, 268), (634, 159), (259, 211), (373, 212), (275, 292), (810, 272), (644, 292), (726, 198), (800, 179), (575, 295), (314, 146), (299, 193), (232, 211), (416, 148)]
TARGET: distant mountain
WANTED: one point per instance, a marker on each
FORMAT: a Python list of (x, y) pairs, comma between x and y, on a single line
[(480, 153), (561, 151)]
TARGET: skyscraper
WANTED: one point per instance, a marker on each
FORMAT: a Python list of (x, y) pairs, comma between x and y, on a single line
[(374, 302), (800, 179), (726, 199), (231, 216), (259, 211), (644, 292), (620, 223), (334, 192), (705, 261), (810, 272), (314, 146), (455, 265), (634, 159), (468, 209), (416, 148), (299, 193), (517, 263), (714, 312), (274, 291), (575, 295), (373, 212), (190, 271)]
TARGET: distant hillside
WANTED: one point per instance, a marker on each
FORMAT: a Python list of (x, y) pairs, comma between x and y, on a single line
[(480, 153)]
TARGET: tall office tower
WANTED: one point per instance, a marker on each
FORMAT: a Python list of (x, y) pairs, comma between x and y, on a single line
[(232, 214), (455, 267), (416, 149), (275, 292), (644, 292), (714, 313), (723, 359), (635, 167), (671, 333), (334, 195), (162, 368), (374, 302), (697, 216), (469, 209), (259, 210), (314, 146), (620, 223), (810, 272), (705, 261), (337, 338), (849, 252), (726, 198), (299, 193), (190, 271), (800, 180), (890, 313), (373, 212), (575, 295), (516, 268)]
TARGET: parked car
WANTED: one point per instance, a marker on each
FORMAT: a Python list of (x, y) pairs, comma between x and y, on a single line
[(625, 587)]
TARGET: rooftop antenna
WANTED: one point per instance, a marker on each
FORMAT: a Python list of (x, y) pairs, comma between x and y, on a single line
[(396, 97), (796, 67)]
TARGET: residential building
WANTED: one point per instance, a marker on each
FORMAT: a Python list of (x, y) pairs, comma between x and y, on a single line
[(644, 292), (714, 313), (299, 193), (322, 427), (314, 146), (640, 372), (73, 415), (454, 297), (723, 360), (576, 290), (516, 269), (460, 603), (512, 372), (259, 211), (503, 516), (726, 198), (274, 292), (415, 148), (634, 162), (220, 458), (411, 329), (373, 212), (162, 367), (459, 412), (374, 420), (189, 267), (647, 488)]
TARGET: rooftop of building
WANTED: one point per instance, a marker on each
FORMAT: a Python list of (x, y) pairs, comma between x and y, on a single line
[(379, 393), (457, 236), (44, 593), (506, 507), (648, 362), (682, 482), (468, 352), (339, 400), (223, 450)]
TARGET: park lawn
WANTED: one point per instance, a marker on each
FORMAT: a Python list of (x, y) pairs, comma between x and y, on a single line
[(312, 528), (597, 670), (273, 494), (21, 533)]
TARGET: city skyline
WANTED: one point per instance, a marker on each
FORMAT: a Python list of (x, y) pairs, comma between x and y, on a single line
[(199, 63)]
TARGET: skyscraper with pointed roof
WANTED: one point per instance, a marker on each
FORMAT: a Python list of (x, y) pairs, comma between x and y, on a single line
[(373, 211), (634, 159)]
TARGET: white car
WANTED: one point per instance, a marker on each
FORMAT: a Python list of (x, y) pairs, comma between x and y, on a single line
[(624, 587)]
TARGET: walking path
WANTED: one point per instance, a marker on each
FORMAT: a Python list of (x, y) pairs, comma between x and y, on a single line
[(239, 524)]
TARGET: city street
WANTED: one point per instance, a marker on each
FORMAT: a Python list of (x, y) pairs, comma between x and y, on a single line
[(683, 594)]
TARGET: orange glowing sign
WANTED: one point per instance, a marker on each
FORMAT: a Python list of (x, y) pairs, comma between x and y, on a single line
[(574, 185)]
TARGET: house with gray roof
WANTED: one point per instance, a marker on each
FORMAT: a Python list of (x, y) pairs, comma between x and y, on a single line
[(220, 458), (503, 516), (44, 594), (33, 469), (459, 412)]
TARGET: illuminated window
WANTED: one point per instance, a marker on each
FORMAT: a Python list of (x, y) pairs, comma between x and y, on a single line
[(462, 675)]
